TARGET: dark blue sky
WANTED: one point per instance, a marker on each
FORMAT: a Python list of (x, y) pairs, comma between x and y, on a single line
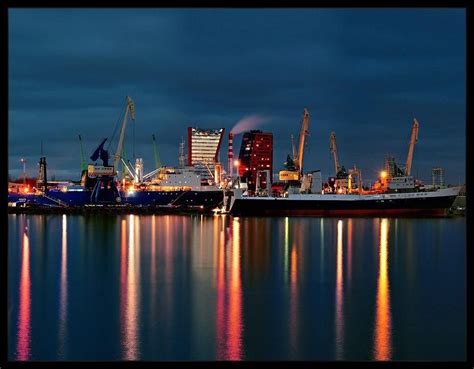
[(363, 73)]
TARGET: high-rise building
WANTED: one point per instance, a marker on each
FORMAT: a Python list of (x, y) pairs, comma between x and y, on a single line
[(203, 149), (256, 154), (437, 176)]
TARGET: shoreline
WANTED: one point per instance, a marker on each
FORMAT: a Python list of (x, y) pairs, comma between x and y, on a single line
[(114, 210)]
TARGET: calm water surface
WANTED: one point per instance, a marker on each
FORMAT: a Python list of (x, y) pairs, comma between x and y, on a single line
[(221, 288)]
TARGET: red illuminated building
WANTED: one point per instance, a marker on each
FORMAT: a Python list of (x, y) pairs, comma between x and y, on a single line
[(256, 154)]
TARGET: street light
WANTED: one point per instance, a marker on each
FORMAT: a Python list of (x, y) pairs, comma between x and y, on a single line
[(23, 161)]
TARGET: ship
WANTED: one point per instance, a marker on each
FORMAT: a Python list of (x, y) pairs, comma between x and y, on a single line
[(419, 203), (166, 187), (178, 188), (397, 193)]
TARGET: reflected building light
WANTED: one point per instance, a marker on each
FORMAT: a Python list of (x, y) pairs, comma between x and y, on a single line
[(235, 295), (321, 224), (287, 227), (229, 324), (220, 300), (153, 247), (168, 265), (24, 315), (153, 275), (201, 237), (294, 265), (294, 299), (63, 289), (215, 229), (131, 308), (339, 294), (383, 325), (349, 251), (123, 271)]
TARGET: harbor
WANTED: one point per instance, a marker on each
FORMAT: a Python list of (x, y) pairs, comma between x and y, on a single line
[(202, 184), (217, 185)]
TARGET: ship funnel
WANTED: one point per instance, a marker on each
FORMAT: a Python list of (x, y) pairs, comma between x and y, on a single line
[(231, 154)]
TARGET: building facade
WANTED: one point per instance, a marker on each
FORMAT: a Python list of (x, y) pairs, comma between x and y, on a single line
[(203, 150), (437, 177), (390, 166), (256, 154)]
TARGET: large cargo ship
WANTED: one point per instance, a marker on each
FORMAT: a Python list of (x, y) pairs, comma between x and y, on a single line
[(420, 203), (179, 188)]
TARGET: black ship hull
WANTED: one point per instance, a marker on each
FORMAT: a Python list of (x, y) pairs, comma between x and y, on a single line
[(409, 206)]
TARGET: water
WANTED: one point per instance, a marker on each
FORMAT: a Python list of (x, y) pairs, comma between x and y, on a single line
[(221, 288)]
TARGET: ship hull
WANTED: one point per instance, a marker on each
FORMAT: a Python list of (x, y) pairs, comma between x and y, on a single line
[(183, 199), (323, 205)]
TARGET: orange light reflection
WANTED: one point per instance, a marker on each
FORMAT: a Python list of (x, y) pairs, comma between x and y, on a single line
[(130, 332), (339, 294), (383, 324), (24, 316), (229, 298), (349, 251)]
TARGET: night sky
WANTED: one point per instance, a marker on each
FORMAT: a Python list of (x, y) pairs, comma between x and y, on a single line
[(365, 74)]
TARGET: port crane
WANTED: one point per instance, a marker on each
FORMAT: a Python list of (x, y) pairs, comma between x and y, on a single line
[(295, 167), (293, 148), (333, 150), (344, 179), (83, 161), (155, 151), (129, 109), (413, 140), (303, 133)]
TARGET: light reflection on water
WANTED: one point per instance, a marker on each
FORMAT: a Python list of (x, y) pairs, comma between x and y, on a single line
[(63, 291), (383, 326), (190, 288), (24, 314), (339, 294)]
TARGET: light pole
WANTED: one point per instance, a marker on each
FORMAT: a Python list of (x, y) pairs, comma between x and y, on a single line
[(23, 161)]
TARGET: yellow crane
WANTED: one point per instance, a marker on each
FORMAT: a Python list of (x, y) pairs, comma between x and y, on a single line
[(413, 140), (333, 149), (295, 173), (303, 133)]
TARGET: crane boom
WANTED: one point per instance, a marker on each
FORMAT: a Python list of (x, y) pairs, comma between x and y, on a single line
[(83, 161), (303, 133), (413, 140), (293, 148), (155, 150), (118, 152), (333, 149)]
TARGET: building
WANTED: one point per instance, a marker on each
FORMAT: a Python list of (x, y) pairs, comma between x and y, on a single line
[(437, 177), (391, 168), (203, 149), (256, 154)]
